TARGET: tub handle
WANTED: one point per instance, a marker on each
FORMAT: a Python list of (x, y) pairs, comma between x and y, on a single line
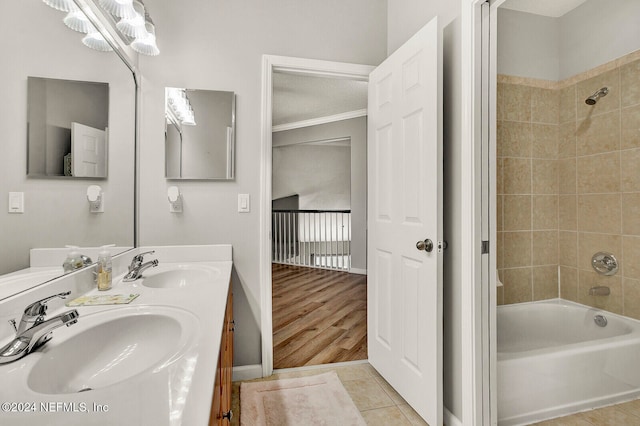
[(604, 263)]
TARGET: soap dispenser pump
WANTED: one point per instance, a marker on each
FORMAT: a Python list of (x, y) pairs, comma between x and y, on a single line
[(104, 267)]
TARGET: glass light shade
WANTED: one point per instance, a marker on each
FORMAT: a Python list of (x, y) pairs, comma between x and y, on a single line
[(133, 27), (61, 5), (96, 41), (146, 45), (78, 21), (119, 8)]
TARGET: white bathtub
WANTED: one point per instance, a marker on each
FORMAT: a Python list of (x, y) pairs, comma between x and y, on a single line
[(554, 360)]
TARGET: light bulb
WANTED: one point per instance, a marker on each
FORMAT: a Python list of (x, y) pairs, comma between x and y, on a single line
[(119, 8), (133, 27)]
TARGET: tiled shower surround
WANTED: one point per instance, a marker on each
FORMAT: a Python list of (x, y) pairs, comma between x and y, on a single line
[(568, 186)]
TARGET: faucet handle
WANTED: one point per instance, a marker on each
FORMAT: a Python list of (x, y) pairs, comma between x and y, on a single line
[(40, 307), (140, 257)]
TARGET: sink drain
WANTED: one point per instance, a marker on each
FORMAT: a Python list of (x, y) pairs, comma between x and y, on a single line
[(84, 390)]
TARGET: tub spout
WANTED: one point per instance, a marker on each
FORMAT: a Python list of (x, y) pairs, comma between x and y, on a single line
[(599, 291)]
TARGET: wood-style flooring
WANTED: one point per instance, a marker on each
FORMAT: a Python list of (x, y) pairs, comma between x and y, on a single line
[(319, 316)]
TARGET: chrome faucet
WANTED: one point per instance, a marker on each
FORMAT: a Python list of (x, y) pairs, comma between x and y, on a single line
[(34, 331), (137, 267)]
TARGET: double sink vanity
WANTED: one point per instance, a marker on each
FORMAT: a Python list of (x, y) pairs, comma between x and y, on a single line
[(164, 358)]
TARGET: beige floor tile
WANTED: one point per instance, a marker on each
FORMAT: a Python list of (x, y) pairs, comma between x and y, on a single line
[(395, 396), (353, 372), (385, 417), (367, 394), (611, 416), (410, 414), (574, 420)]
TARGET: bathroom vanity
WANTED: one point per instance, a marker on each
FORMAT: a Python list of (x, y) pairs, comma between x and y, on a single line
[(165, 358)]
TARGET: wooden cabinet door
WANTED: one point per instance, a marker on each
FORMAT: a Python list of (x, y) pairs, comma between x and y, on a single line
[(221, 403)]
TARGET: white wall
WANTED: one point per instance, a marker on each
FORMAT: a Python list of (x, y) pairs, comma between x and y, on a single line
[(356, 129), (405, 17), (35, 42), (554, 49), (218, 45), (528, 45)]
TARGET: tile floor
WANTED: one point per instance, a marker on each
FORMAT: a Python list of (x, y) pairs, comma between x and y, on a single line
[(378, 402)]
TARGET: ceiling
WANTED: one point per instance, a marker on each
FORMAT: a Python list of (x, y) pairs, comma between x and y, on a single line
[(303, 97), (551, 8)]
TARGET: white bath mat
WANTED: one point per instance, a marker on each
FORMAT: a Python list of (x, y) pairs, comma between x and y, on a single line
[(309, 401)]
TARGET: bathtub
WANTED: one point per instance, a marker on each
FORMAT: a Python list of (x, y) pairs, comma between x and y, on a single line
[(553, 360)]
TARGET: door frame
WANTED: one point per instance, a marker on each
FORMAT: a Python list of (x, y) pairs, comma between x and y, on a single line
[(292, 65)]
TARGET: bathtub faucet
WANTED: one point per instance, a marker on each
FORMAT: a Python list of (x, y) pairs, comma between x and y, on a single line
[(599, 291)]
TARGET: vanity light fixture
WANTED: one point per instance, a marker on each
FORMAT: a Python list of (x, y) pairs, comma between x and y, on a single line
[(178, 107), (132, 24)]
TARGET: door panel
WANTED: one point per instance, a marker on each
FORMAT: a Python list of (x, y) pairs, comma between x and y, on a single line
[(405, 205)]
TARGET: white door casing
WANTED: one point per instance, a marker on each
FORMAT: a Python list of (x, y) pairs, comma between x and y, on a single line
[(405, 206), (88, 151)]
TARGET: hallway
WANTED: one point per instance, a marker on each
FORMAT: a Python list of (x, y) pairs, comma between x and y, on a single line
[(319, 316)]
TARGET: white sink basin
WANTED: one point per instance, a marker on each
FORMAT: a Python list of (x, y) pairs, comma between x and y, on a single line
[(109, 347), (179, 276)]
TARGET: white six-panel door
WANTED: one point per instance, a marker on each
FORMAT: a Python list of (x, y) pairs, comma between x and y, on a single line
[(404, 210), (88, 151)]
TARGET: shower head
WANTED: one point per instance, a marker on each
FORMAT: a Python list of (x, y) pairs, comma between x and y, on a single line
[(591, 100)]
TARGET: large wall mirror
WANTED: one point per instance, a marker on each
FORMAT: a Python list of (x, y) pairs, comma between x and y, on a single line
[(67, 124), (199, 134), (56, 211)]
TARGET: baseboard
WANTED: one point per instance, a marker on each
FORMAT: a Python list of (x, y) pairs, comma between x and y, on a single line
[(450, 419), (247, 372), (358, 271)]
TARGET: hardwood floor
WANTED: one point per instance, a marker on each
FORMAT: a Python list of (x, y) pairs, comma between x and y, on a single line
[(319, 316)]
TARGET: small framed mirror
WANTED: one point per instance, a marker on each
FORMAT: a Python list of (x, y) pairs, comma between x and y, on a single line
[(199, 134), (67, 128)]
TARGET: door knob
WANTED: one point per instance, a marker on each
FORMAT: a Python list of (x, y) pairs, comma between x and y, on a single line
[(426, 245)]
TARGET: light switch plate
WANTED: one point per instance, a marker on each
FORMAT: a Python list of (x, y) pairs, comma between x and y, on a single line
[(16, 202), (244, 203)]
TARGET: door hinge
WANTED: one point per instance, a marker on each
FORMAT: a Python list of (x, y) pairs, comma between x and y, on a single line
[(442, 245), (485, 247)]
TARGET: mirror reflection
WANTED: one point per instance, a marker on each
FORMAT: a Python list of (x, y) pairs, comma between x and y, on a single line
[(51, 213), (199, 134), (67, 128)]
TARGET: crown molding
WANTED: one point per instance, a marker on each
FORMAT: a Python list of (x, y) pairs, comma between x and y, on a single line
[(320, 120)]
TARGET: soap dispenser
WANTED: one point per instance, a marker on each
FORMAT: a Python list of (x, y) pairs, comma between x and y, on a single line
[(73, 260), (104, 268)]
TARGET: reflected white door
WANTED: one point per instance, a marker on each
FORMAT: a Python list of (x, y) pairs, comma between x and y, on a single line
[(405, 208), (88, 151)]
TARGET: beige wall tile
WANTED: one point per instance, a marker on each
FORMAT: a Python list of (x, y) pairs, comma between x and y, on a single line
[(544, 141), (568, 248), (631, 213), (500, 250), (516, 102), (499, 101), (567, 180), (569, 283), (545, 248), (544, 176), (599, 213), (517, 176), (545, 282), (567, 104), (630, 264), (630, 170), (598, 173), (514, 139), (611, 303), (586, 88), (631, 298), (597, 134), (517, 285), (545, 106), (567, 212), (630, 128), (517, 249), (499, 175), (517, 212), (500, 295), (567, 134), (630, 84), (499, 213), (545, 212), (591, 243)]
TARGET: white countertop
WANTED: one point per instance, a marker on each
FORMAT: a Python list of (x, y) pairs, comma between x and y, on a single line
[(178, 393)]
